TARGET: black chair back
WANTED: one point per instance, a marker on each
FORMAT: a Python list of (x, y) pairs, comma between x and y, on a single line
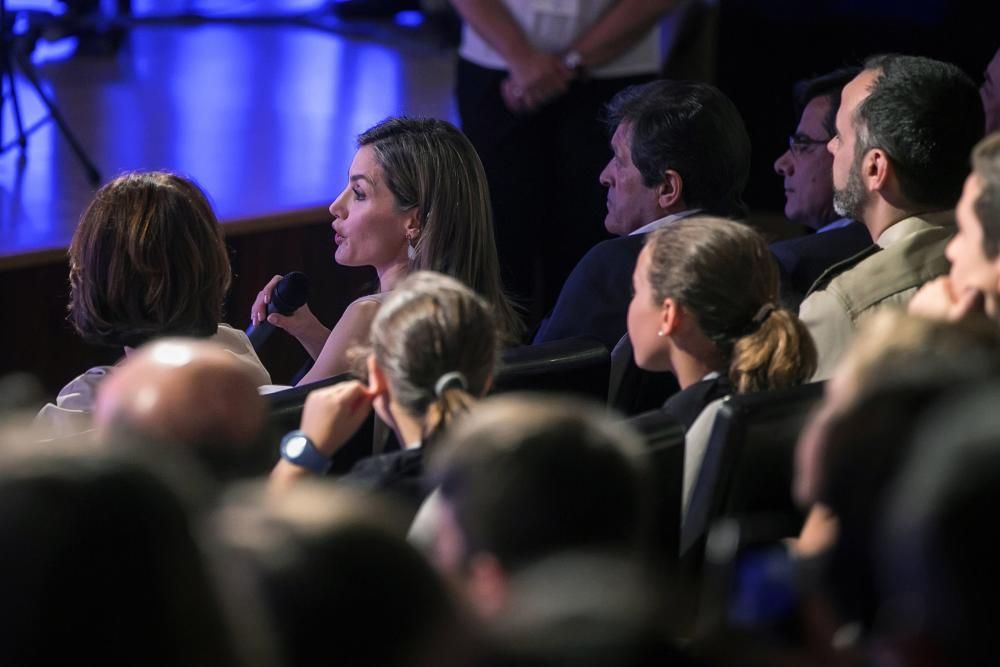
[(633, 391), (749, 463), (577, 366), (664, 438)]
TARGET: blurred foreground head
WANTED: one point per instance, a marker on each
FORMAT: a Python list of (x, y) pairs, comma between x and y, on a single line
[(190, 394), (99, 565), (853, 451), (894, 354), (939, 580), (527, 477), (338, 581)]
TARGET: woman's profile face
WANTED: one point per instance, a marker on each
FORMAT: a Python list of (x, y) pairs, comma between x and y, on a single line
[(369, 228)]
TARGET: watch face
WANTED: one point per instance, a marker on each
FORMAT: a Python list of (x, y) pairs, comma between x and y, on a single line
[(295, 446)]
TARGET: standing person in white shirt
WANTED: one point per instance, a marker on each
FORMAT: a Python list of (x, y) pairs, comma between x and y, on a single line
[(533, 79)]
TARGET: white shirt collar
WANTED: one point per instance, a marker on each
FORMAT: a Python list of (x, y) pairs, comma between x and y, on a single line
[(666, 220)]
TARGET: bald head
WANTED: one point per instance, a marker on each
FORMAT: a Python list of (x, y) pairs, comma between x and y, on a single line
[(185, 392)]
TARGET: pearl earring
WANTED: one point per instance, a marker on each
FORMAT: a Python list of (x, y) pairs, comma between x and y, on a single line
[(660, 333)]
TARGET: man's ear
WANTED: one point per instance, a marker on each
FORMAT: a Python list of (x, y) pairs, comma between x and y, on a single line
[(876, 170), (670, 192), (377, 383), (487, 585)]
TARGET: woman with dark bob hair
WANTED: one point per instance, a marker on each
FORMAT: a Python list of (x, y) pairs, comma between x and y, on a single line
[(147, 260), (416, 199)]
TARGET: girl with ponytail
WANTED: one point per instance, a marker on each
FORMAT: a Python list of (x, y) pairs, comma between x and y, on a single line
[(705, 307), (433, 349)]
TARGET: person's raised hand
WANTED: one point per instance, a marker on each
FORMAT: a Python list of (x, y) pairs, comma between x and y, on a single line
[(939, 300), (333, 414)]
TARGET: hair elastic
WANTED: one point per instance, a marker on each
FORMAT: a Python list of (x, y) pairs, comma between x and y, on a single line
[(763, 313), (452, 379)]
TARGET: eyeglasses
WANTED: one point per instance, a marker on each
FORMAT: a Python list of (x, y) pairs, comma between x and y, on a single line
[(800, 144)]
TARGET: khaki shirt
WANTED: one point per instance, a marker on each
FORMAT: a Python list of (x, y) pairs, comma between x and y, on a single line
[(907, 254)]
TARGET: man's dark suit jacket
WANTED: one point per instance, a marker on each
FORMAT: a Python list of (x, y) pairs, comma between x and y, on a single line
[(801, 261), (594, 301)]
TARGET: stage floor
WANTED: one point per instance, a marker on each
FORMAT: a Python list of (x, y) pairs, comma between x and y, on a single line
[(262, 113)]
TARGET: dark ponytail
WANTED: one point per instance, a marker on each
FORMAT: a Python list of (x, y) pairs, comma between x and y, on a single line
[(437, 342), (452, 400)]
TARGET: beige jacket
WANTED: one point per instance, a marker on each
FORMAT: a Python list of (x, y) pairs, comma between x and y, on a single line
[(906, 255)]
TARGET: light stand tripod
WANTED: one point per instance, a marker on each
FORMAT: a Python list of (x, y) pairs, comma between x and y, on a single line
[(9, 57)]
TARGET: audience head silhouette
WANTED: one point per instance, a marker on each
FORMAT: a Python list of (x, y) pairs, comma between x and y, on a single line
[(706, 299), (326, 562), (974, 251), (434, 208), (186, 393), (939, 580), (806, 165), (101, 566), (434, 346), (526, 477), (897, 145), (678, 145), (147, 260)]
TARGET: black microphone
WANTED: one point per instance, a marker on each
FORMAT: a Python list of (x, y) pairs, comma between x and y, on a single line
[(290, 294)]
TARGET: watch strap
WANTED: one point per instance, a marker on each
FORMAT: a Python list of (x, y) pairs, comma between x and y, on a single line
[(298, 448)]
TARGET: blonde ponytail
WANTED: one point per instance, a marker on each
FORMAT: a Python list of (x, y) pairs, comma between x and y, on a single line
[(779, 353), (723, 272)]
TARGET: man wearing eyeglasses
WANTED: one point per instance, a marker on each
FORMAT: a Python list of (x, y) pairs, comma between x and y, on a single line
[(807, 171)]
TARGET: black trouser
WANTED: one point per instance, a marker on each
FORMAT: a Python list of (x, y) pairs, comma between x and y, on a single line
[(542, 168)]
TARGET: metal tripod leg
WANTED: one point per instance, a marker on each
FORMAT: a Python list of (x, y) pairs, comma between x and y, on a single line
[(8, 71), (9, 58), (28, 70)]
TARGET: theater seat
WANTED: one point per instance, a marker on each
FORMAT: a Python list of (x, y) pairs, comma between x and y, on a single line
[(578, 366), (633, 391), (748, 464), (664, 438)]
